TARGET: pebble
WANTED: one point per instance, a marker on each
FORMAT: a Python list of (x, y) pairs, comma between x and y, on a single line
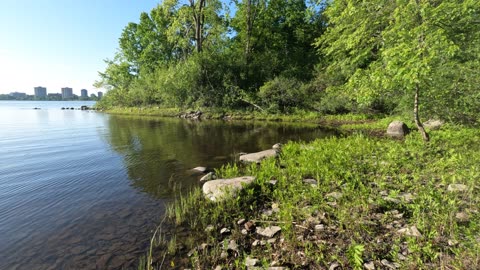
[(241, 221), (224, 231), (310, 181), (462, 216), (209, 228), (232, 245), (335, 195), (250, 261), (319, 227), (334, 266), (457, 187), (268, 232), (411, 231), (369, 266), (390, 265)]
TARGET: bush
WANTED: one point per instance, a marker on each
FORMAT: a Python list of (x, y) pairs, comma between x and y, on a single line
[(283, 94)]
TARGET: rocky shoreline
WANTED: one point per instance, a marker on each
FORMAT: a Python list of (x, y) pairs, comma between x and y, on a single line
[(338, 203)]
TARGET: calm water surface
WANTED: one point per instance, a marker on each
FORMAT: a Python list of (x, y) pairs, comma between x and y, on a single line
[(85, 190)]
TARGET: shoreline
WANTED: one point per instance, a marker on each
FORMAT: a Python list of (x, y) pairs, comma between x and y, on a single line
[(352, 202)]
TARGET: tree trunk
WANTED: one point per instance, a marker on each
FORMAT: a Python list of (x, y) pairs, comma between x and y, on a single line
[(198, 18), (419, 124), (249, 31)]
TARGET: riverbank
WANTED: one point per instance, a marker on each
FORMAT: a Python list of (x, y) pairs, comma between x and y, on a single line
[(237, 115), (352, 202)]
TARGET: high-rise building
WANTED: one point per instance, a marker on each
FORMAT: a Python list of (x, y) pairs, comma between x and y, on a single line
[(40, 92), (100, 95), (67, 93), (84, 93)]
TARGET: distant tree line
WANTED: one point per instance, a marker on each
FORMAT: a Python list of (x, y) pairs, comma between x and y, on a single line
[(289, 55)]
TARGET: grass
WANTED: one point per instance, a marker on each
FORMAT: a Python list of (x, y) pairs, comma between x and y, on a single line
[(369, 192), (211, 113)]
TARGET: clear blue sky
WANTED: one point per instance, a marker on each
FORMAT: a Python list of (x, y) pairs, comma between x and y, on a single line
[(58, 43)]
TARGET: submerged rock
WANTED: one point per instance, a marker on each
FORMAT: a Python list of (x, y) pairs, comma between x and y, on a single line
[(199, 169), (397, 129), (217, 190)]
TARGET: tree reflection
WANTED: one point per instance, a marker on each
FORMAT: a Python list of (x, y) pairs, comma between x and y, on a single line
[(158, 153)]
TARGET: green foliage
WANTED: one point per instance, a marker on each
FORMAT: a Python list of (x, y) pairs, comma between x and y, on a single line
[(390, 49), (383, 185), (282, 94), (355, 253)]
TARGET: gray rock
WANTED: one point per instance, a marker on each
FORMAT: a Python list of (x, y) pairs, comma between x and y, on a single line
[(462, 217), (397, 129), (335, 195), (310, 181), (273, 182), (209, 176), (277, 146), (433, 124), (224, 231), (232, 245), (268, 232), (241, 221), (369, 266), (390, 265), (250, 261), (259, 156), (319, 227), (411, 231), (209, 228), (334, 266), (457, 187), (217, 190)]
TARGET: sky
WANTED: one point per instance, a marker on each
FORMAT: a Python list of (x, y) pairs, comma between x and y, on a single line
[(60, 43)]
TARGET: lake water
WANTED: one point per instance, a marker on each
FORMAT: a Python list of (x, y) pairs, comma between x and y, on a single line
[(85, 190)]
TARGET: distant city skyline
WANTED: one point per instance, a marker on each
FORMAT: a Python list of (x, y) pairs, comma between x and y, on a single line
[(57, 43)]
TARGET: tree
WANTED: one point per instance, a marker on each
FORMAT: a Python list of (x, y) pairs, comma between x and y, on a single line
[(399, 48)]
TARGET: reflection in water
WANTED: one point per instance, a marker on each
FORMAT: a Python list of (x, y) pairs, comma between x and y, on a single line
[(158, 153), (84, 190)]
